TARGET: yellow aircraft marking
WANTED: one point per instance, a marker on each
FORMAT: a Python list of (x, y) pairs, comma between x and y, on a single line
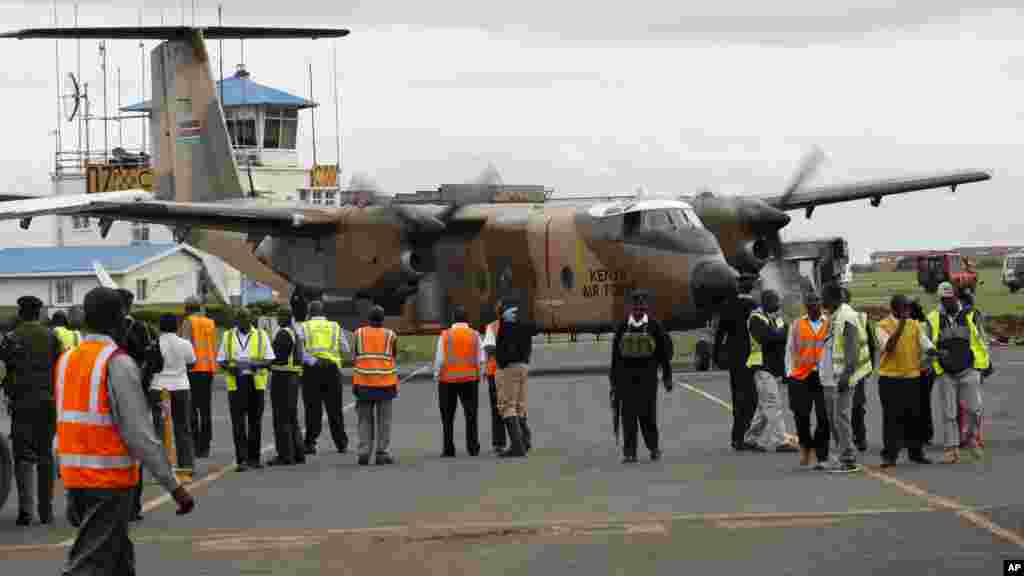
[(910, 488)]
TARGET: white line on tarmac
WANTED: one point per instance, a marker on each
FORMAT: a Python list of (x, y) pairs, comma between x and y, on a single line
[(965, 512), (213, 476)]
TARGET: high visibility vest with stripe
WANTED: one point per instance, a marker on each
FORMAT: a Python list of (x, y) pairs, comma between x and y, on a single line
[(492, 361), (461, 360), (255, 350), (92, 453), (204, 340), (323, 340), (374, 363), (810, 347), (69, 339), (844, 315), (756, 356), (978, 348), (292, 367)]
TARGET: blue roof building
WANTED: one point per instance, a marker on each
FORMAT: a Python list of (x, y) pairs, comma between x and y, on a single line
[(158, 273), (263, 121)]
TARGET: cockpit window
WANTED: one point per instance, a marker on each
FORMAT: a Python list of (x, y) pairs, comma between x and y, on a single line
[(680, 220), (657, 220)]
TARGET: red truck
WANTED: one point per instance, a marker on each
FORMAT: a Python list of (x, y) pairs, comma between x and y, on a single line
[(935, 269)]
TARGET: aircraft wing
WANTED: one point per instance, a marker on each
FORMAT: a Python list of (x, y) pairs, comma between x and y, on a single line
[(875, 190), (140, 206)]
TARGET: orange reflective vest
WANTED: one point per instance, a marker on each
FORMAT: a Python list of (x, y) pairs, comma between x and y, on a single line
[(461, 361), (204, 340), (492, 362), (92, 453), (374, 365), (810, 347)]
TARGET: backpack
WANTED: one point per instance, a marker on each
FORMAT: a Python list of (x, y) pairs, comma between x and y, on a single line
[(154, 357)]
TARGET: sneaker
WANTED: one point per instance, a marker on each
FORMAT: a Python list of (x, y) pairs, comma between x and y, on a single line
[(920, 458), (655, 455), (364, 459), (977, 453), (629, 460), (846, 468), (787, 448), (384, 459), (951, 456), (886, 463)]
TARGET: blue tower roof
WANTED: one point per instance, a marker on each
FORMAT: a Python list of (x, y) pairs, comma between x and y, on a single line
[(240, 90)]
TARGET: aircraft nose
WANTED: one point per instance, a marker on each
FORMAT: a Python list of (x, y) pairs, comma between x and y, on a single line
[(713, 283)]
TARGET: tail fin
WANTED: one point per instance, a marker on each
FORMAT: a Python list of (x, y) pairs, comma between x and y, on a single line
[(193, 157)]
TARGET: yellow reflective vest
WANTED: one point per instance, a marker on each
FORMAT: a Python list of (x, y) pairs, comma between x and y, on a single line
[(844, 315), (323, 339), (978, 347), (69, 339), (256, 352), (756, 356)]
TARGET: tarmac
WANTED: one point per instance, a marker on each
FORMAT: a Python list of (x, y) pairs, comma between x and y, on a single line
[(571, 506)]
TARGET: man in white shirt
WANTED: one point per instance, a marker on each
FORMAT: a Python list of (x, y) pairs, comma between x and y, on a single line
[(245, 355), (178, 356), (457, 371)]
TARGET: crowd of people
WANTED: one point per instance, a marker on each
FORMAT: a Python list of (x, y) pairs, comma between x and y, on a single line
[(824, 361)]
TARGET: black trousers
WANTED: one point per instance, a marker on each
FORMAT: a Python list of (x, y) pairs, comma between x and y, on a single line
[(804, 397), (925, 420), (860, 433), (201, 384), (284, 400), (181, 419), (497, 423), (744, 401), (32, 431), (639, 408), (321, 389), (102, 545), (246, 404), (901, 413), (449, 396)]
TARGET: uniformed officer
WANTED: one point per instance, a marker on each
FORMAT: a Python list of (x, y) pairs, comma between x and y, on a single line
[(375, 385), (200, 330), (640, 346), (69, 338), (245, 354), (31, 351), (285, 375), (458, 362), (321, 377)]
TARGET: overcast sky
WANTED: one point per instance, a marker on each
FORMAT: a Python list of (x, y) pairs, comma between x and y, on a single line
[(585, 99)]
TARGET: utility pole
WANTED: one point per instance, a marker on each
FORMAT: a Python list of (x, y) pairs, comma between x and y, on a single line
[(106, 110), (313, 112)]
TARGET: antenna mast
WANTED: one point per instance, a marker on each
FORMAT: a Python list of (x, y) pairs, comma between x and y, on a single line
[(313, 110), (120, 130), (78, 54), (220, 56), (337, 115), (56, 52), (106, 109), (142, 80)]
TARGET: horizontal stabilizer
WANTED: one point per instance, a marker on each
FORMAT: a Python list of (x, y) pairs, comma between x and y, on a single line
[(175, 33)]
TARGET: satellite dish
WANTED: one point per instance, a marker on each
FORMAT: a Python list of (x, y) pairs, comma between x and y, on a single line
[(72, 101)]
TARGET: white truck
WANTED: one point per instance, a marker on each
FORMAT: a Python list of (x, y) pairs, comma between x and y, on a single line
[(1013, 271)]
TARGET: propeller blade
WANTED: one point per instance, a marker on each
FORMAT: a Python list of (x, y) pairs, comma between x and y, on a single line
[(808, 166)]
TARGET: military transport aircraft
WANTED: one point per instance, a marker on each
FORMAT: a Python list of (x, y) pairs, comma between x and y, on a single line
[(571, 264)]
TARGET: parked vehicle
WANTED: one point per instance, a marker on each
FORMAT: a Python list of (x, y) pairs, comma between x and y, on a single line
[(951, 267), (1013, 271)]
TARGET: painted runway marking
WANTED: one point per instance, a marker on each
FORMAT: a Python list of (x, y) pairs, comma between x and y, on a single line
[(965, 512), (219, 540), (214, 476)]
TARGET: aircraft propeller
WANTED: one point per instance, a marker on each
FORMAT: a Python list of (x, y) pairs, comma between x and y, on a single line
[(768, 221)]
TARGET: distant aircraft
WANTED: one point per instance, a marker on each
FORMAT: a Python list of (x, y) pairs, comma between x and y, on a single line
[(571, 264)]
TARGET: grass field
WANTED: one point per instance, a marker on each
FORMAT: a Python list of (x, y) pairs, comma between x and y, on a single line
[(876, 288)]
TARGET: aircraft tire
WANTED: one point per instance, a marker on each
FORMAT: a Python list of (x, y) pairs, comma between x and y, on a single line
[(6, 469)]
